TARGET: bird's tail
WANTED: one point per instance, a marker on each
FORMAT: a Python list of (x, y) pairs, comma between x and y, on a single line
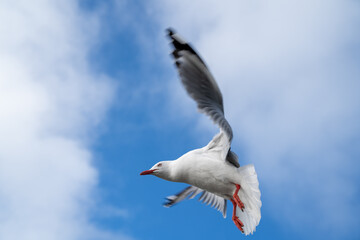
[(249, 194)]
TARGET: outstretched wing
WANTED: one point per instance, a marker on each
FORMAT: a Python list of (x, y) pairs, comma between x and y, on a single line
[(208, 198), (199, 83)]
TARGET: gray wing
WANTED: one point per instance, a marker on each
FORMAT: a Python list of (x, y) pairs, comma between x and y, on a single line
[(208, 198), (199, 83)]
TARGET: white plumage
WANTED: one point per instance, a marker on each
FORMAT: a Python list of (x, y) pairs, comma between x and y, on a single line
[(213, 170)]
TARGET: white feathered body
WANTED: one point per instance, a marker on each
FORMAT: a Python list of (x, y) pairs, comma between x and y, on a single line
[(203, 169), (206, 168)]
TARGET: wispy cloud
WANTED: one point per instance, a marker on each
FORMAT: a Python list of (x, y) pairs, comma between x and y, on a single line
[(290, 77), (50, 100)]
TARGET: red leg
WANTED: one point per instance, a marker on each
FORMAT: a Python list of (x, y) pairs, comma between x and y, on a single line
[(235, 219), (237, 199)]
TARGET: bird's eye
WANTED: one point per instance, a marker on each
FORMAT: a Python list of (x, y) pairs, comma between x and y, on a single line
[(159, 165)]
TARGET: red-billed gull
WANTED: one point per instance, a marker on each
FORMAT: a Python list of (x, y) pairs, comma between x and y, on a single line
[(213, 170)]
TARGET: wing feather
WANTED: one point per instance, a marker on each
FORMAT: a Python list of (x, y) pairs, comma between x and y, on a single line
[(199, 82), (208, 198)]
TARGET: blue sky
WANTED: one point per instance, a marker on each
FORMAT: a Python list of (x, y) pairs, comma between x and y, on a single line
[(90, 98)]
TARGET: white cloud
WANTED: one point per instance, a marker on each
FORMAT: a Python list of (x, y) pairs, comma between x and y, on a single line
[(50, 101), (290, 78)]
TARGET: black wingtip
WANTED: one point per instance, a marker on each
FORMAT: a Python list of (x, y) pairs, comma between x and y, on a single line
[(170, 31), (169, 202)]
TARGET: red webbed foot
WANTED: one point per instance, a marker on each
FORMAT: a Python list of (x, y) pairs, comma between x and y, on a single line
[(236, 198), (235, 219)]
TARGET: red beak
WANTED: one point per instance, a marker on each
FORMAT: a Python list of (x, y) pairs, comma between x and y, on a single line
[(147, 172)]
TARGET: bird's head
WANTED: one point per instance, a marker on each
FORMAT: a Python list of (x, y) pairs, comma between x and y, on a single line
[(160, 169)]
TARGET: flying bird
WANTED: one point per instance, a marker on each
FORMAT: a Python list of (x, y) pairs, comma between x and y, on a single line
[(213, 170)]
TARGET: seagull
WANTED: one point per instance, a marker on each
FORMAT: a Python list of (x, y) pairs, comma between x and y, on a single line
[(214, 170)]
